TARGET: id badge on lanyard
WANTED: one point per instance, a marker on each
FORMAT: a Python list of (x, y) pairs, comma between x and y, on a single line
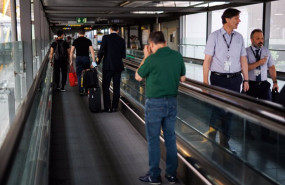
[(227, 63), (257, 72)]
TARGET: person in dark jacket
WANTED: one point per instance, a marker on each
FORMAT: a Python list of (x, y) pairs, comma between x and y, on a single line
[(113, 49)]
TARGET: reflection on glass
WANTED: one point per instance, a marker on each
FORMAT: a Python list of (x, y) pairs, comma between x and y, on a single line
[(11, 77), (32, 153)]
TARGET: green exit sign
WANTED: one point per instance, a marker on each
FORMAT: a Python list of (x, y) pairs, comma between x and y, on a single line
[(81, 20)]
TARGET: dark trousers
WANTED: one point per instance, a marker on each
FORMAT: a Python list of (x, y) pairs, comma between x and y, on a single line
[(60, 66), (82, 63), (260, 90), (220, 119), (107, 77)]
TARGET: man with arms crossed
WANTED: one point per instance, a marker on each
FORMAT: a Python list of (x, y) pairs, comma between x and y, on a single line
[(163, 70)]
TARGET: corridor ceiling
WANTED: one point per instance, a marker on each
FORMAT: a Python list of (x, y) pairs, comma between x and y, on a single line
[(65, 12)]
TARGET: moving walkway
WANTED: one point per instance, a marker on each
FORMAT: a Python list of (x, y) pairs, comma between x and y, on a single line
[(25, 157)]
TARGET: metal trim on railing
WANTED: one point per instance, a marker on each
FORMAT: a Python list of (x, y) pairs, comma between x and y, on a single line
[(10, 145)]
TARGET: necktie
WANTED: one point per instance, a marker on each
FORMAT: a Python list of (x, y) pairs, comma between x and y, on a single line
[(257, 57)]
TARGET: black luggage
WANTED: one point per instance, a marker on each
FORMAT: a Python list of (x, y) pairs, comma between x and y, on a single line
[(94, 98), (90, 78)]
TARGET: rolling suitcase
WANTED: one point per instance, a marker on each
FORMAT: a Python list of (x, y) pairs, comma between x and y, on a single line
[(94, 98)]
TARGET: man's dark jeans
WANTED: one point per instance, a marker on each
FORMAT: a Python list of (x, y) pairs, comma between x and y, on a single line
[(161, 112)]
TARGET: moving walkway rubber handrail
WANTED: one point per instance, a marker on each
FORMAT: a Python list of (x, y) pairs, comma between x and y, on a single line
[(10, 145), (269, 114)]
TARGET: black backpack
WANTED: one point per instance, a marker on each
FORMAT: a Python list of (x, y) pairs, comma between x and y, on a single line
[(90, 78), (60, 51)]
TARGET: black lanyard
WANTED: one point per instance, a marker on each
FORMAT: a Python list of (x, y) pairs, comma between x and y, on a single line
[(254, 53), (228, 45)]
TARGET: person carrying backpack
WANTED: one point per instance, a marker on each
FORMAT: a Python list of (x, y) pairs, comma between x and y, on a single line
[(59, 51)]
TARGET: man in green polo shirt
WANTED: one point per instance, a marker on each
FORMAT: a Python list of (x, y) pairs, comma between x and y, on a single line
[(163, 69)]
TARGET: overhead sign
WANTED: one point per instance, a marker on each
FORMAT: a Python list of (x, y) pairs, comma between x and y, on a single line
[(81, 20)]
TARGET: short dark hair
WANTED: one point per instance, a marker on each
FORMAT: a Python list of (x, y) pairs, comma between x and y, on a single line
[(156, 37), (81, 31), (229, 13), (114, 27), (255, 31), (59, 33)]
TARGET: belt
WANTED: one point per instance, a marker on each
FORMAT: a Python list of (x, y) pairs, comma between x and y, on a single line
[(227, 75)]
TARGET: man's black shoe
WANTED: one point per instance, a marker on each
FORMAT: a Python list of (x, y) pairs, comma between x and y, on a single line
[(114, 109), (171, 179), (151, 180), (108, 110)]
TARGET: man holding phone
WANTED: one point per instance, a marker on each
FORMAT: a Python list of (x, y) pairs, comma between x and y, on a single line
[(163, 69)]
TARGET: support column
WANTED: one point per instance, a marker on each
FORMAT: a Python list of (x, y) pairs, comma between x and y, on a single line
[(15, 51), (181, 34), (129, 35), (13, 20), (140, 36), (266, 23), (151, 27), (26, 35), (37, 15), (42, 33), (209, 25)]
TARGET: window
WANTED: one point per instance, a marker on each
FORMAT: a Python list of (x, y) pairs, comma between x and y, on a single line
[(5, 20), (250, 20), (194, 40), (277, 34)]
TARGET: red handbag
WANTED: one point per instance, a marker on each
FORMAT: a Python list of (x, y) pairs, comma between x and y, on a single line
[(72, 77)]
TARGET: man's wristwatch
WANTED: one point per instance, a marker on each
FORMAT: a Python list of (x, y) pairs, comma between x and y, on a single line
[(245, 81), (275, 82)]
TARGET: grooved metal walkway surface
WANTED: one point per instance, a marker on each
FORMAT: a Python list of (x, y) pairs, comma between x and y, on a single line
[(93, 148)]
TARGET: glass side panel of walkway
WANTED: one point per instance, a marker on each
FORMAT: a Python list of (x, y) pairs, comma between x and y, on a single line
[(250, 157)]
